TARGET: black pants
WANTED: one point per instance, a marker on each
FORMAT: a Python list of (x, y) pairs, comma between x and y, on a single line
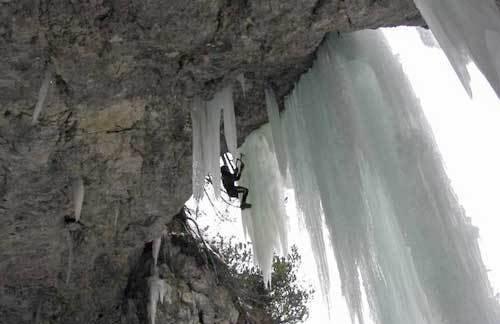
[(244, 191), (235, 191)]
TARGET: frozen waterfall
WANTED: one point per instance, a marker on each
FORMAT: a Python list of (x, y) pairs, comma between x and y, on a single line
[(467, 30), (362, 160)]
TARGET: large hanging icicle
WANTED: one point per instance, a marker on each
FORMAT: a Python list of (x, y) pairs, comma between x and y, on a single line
[(274, 119), (265, 223), (205, 117), (225, 98), (467, 30), (361, 151)]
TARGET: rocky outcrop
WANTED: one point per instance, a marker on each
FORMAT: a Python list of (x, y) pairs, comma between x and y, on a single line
[(195, 290), (117, 116)]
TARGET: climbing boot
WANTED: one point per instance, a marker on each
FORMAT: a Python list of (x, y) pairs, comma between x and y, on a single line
[(245, 206)]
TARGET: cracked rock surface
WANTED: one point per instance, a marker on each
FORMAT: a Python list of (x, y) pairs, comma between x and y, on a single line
[(117, 114)]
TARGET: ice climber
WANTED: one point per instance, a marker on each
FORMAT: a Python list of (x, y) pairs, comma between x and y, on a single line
[(229, 179)]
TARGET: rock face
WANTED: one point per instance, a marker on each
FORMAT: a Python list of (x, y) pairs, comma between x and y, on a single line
[(117, 116)]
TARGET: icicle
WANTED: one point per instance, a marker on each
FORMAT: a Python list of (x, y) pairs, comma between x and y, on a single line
[(156, 249), (467, 30), (211, 137), (42, 95), (158, 289), (243, 83), (115, 220), (265, 223), (205, 118), (274, 119), (226, 100), (198, 118), (78, 193)]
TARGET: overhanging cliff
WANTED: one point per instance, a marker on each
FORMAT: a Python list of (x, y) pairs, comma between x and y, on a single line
[(117, 115)]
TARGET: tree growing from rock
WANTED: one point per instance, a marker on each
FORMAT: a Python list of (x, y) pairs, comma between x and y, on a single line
[(286, 301)]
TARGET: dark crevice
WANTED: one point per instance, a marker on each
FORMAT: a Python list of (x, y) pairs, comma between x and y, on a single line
[(349, 21), (220, 15), (62, 85), (317, 7), (120, 130)]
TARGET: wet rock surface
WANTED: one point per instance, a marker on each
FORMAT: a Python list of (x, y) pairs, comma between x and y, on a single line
[(118, 116)]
